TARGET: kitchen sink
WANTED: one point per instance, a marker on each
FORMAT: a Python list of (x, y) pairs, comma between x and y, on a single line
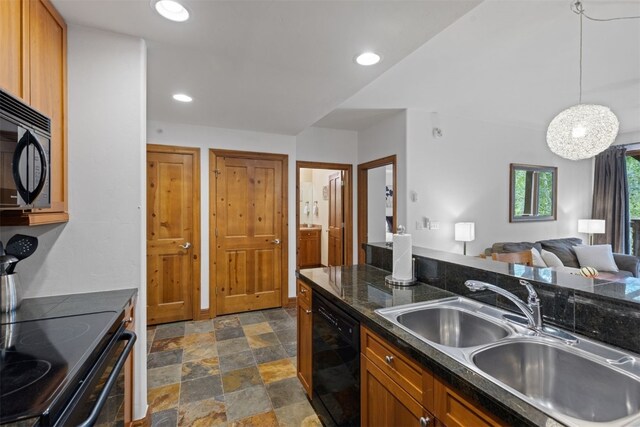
[(577, 381), (563, 380), (451, 322), (452, 327)]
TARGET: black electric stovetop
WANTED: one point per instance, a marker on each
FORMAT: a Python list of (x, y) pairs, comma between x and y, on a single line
[(43, 361)]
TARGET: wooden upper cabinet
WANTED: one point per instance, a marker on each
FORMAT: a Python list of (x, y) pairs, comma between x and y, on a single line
[(34, 35), (14, 47)]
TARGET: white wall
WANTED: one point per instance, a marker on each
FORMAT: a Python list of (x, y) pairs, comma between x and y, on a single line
[(205, 138), (384, 139), (333, 146), (101, 248), (464, 176)]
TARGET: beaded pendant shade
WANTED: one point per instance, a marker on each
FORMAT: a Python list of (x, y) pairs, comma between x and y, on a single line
[(583, 130)]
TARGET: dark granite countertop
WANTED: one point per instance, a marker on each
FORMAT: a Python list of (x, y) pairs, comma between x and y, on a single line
[(360, 290), (69, 305)]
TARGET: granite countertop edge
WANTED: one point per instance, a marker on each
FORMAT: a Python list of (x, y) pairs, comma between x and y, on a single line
[(504, 404)]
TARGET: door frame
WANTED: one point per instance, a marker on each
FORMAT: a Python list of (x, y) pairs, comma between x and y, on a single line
[(213, 240), (347, 204), (363, 178), (196, 237)]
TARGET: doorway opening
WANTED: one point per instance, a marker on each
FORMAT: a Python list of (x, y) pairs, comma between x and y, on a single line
[(377, 202), (324, 214)]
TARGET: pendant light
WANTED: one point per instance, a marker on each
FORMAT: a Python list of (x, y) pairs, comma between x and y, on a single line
[(583, 130)]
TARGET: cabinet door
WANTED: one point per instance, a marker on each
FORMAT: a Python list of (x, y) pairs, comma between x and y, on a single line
[(304, 343), (47, 79), (129, 376), (13, 45), (385, 403), (455, 411)]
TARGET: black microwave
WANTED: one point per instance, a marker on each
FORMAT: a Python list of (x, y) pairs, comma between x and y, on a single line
[(25, 142)]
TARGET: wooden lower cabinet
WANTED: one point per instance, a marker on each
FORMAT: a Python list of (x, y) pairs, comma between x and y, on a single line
[(304, 316), (396, 391), (310, 252), (385, 403)]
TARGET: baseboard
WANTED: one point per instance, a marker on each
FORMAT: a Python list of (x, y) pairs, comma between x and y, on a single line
[(204, 314), (292, 302), (143, 422)]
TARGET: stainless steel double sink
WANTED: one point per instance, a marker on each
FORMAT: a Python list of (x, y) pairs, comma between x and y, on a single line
[(579, 382)]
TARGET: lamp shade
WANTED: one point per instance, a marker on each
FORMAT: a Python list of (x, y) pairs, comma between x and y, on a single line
[(582, 131), (591, 226), (465, 231)]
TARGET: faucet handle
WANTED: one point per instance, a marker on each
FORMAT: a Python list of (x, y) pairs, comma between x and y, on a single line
[(533, 295)]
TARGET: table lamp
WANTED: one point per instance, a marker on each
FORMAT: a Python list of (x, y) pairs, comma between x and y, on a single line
[(465, 232), (591, 227)]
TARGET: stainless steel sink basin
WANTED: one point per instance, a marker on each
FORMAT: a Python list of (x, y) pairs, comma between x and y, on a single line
[(563, 380), (451, 322), (452, 327)]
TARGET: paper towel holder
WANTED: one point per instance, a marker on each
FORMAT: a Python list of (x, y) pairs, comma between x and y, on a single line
[(390, 280)]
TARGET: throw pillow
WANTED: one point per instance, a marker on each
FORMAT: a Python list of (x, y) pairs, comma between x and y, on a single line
[(551, 259), (599, 257), (538, 261), (563, 248)]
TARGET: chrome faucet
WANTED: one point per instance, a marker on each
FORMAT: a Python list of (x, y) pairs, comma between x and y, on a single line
[(531, 309)]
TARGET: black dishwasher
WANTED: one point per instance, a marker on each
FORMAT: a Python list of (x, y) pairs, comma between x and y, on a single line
[(336, 364)]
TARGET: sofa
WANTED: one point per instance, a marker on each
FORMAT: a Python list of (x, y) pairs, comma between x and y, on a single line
[(628, 265)]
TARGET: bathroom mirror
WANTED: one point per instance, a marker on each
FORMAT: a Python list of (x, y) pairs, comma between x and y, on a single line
[(532, 193)]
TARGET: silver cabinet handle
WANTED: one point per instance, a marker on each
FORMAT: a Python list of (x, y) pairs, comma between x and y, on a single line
[(185, 246), (389, 359), (425, 421), (276, 241), (308, 311)]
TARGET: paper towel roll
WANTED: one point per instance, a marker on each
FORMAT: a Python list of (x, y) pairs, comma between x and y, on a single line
[(402, 257)]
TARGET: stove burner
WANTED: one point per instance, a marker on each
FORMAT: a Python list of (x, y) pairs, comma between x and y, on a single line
[(61, 335), (19, 375)]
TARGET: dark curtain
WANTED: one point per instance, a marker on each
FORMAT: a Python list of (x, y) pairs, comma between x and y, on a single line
[(611, 198)]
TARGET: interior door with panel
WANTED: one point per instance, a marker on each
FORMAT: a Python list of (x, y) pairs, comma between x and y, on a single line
[(336, 219), (248, 229), (170, 235)]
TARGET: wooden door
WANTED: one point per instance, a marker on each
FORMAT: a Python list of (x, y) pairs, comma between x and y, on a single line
[(384, 403), (336, 219), (249, 221), (171, 200)]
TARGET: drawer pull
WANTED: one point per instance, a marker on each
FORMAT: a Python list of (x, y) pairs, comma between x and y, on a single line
[(425, 421), (388, 359), (308, 311), (129, 320), (303, 291)]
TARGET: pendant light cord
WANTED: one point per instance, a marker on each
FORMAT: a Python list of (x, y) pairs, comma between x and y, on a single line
[(578, 9), (581, 9)]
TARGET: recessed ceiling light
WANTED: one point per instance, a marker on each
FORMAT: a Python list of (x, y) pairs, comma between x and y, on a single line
[(182, 97), (172, 10), (368, 58)]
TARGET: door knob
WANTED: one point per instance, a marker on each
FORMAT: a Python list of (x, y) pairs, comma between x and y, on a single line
[(276, 241), (186, 245)]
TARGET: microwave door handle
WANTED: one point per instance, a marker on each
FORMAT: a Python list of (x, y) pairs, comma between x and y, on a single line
[(113, 377), (43, 169), (23, 143)]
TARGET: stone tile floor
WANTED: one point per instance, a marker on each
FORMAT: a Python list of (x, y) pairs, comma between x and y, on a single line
[(236, 370)]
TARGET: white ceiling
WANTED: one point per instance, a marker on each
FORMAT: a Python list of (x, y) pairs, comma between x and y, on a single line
[(516, 62), (272, 66)]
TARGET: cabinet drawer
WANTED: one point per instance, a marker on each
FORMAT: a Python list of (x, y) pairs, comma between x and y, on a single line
[(304, 293), (310, 235), (397, 366)]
